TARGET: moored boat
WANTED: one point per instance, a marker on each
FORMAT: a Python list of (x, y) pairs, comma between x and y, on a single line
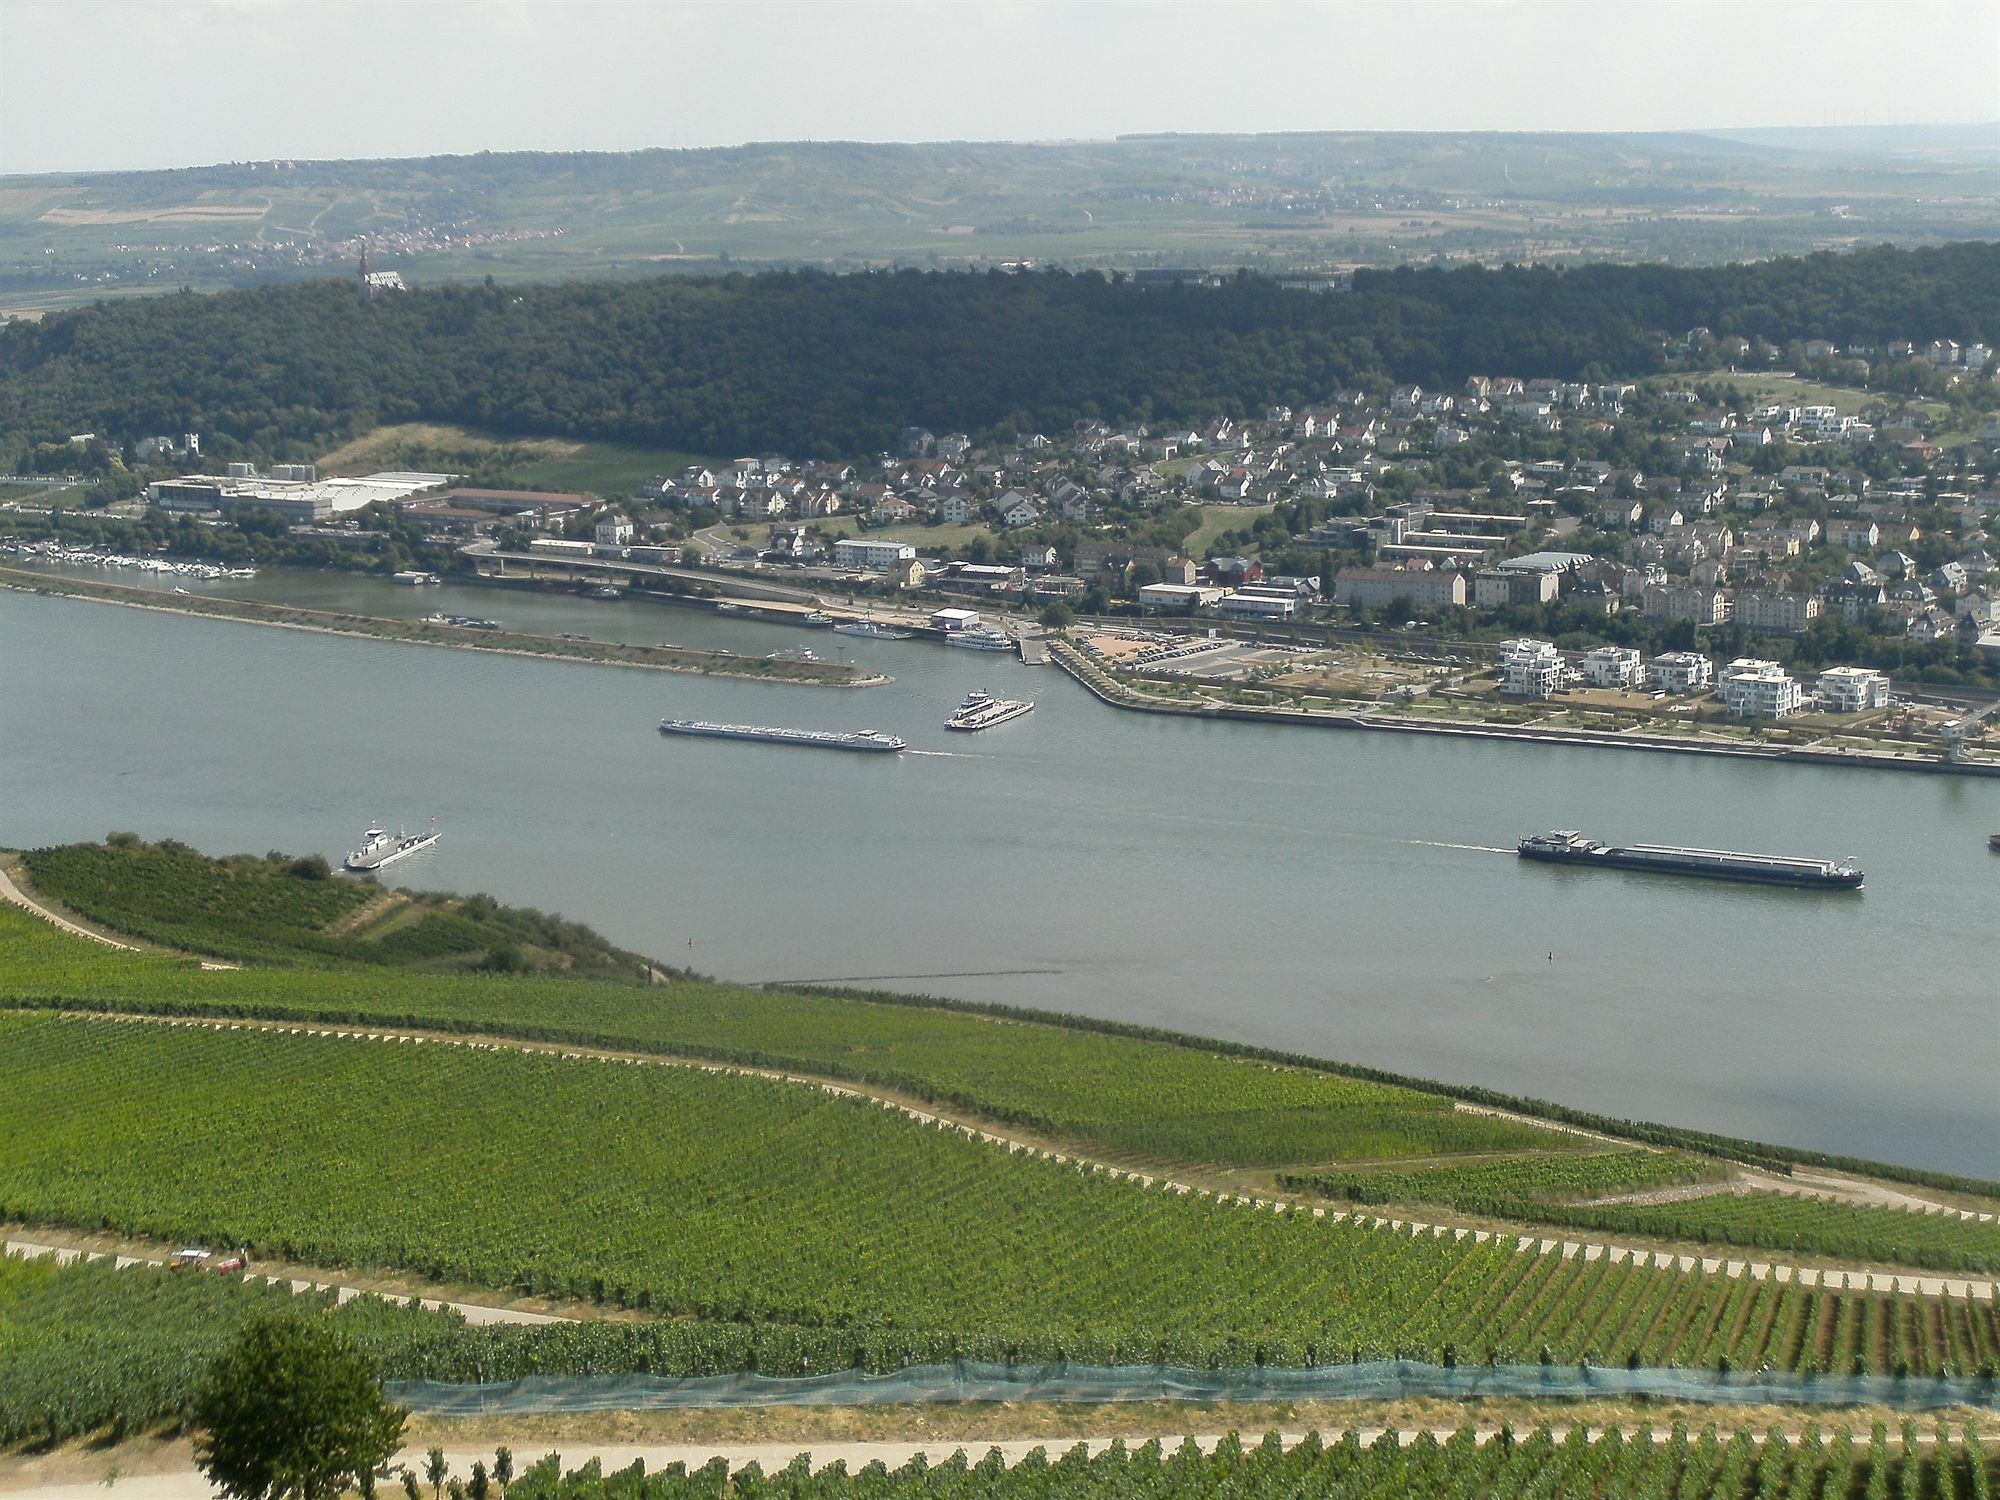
[(1568, 847), (872, 630), (977, 639)]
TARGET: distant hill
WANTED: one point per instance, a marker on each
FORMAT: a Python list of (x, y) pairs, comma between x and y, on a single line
[(1264, 201)]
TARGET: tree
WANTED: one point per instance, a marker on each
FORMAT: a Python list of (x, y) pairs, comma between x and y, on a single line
[(503, 1469), (291, 1409), (1057, 615), (436, 1470)]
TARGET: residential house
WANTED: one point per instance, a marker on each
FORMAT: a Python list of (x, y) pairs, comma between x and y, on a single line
[(1755, 689)]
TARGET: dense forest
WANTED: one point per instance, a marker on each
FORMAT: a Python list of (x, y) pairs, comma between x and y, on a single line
[(807, 362)]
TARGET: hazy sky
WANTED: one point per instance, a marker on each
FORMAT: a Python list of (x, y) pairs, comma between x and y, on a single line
[(91, 84)]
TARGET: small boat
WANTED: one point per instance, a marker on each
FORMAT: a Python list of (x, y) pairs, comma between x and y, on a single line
[(980, 640), (983, 711), (414, 578), (818, 619), (794, 653), (872, 630), (378, 848), (606, 591), (1993, 842)]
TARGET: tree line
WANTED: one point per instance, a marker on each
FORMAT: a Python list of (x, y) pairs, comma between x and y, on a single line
[(812, 363)]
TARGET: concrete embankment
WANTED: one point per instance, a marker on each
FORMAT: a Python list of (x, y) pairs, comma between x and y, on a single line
[(1109, 690), (426, 633)]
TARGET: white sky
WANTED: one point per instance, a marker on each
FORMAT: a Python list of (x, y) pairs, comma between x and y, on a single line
[(95, 84)]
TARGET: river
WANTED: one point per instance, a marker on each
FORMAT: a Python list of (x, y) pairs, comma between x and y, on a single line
[(1348, 895)]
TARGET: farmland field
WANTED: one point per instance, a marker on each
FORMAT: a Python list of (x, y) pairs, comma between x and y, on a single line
[(740, 1199)]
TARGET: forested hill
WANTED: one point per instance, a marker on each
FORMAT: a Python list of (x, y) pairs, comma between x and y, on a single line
[(813, 363)]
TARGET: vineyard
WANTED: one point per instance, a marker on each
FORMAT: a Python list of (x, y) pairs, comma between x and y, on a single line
[(721, 1197), (1148, 1098), (275, 909), (87, 1349), (1462, 1467), (1541, 1190)]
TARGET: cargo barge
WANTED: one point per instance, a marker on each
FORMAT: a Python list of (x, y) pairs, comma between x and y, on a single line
[(817, 739), (1567, 847)]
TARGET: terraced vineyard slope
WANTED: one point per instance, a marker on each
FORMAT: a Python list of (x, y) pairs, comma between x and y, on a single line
[(716, 1196)]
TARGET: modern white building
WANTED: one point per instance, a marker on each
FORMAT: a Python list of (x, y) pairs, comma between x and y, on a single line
[(1613, 667), (1753, 689), (1531, 669), (1681, 672), (875, 556), (1260, 604), (1851, 690)]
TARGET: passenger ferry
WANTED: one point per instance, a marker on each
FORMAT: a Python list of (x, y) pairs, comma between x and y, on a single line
[(379, 849), (1569, 847), (983, 711), (817, 739), (980, 640)]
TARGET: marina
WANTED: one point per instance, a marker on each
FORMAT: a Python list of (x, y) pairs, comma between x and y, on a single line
[(1353, 896)]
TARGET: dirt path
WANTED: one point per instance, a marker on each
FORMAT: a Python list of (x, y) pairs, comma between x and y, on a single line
[(475, 1313), (1858, 1278), (12, 892)]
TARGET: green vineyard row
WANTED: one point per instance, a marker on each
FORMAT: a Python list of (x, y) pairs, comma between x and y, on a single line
[(1529, 1190), (722, 1197)]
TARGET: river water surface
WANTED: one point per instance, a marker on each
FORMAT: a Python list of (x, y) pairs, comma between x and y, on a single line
[(1348, 895)]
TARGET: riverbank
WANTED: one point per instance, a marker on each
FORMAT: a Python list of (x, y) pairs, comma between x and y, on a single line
[(426, 633), (1108, 689)]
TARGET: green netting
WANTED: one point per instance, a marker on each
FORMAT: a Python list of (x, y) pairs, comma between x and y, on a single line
[(1384, 1380)]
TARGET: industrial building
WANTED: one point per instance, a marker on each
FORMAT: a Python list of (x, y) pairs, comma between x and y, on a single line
[(296, 500)]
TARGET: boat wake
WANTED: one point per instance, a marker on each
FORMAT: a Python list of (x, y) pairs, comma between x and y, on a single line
[(1475, 848), (944, 754)]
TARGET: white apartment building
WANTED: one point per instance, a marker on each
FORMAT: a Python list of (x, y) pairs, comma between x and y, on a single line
[(1613, 667), (1753, 689), (875, 556), (1851, 690), (1681, 672), (1531, 669), (1776, 610)]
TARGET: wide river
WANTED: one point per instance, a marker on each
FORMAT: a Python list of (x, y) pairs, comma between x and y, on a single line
[(1348, 895)]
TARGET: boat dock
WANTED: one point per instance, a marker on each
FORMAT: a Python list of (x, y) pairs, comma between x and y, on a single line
[(1034, 650)]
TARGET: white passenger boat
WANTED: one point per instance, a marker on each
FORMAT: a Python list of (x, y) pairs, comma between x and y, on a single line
[(379, 847), (980, 640), (983, 711)]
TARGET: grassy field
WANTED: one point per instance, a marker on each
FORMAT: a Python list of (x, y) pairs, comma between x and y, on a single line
[(737, 1199), (612, 470), (1214, 521)]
